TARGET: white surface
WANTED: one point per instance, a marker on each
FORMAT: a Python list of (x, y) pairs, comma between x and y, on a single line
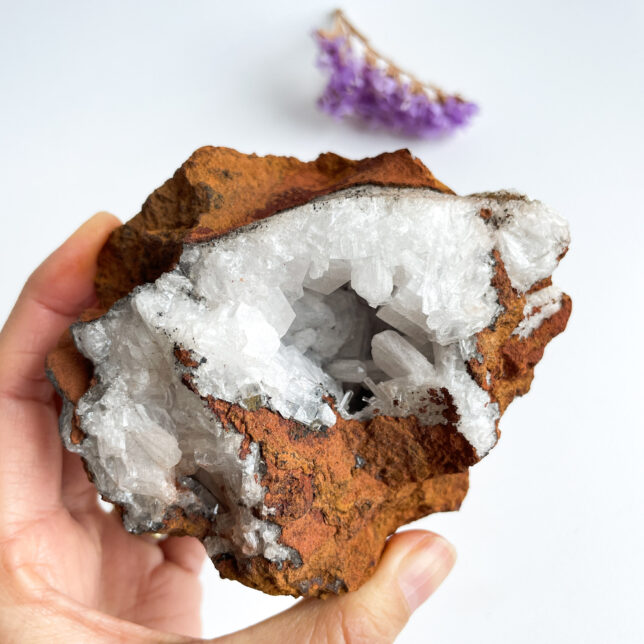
[(100, 103)]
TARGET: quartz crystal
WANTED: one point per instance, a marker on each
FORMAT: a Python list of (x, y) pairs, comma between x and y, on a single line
[(325, 358)]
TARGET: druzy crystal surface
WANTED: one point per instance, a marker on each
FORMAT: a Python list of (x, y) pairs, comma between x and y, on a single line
[(363, 314)]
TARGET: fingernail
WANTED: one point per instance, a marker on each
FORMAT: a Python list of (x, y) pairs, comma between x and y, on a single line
[(424, 569)]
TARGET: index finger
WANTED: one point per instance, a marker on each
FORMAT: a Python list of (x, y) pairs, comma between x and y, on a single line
[(57, 291)]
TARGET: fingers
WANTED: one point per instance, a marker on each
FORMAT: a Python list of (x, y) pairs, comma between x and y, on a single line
[(57, 291), (186, 552), (30, 477), (413, 565)]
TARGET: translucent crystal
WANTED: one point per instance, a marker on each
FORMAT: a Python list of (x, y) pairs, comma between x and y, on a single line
[(397, 357), (371, 279), (539, 306), (347, 370), (337, 274)]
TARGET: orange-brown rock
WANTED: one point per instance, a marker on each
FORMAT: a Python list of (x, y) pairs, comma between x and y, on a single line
[(339, 493), (218, 190), (336, 494)]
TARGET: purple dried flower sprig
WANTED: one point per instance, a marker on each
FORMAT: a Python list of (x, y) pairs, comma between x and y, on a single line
[(365, 85)]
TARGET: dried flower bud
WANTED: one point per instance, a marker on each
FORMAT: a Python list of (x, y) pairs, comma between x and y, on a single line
[(364, 85)]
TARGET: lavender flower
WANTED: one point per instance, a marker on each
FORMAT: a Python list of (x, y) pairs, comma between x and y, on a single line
[(364, 85)]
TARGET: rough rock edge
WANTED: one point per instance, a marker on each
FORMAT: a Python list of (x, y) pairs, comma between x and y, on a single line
[(218, 190)]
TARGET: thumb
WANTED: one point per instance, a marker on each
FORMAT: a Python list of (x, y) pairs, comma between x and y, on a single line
[(413, 565)]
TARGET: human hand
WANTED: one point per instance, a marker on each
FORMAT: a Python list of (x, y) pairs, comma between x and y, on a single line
[(69, 572)]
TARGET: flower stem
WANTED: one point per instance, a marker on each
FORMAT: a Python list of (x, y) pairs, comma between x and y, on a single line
[(343, 27)]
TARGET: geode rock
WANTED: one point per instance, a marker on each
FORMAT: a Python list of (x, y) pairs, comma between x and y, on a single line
[(291, 360)]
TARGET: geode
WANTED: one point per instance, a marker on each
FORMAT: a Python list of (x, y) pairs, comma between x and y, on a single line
[(290, 360)]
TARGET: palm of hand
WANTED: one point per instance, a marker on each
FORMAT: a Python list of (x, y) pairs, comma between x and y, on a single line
[(82, 553)]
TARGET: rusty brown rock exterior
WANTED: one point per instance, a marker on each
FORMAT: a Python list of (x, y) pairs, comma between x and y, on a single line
[(337, 494)]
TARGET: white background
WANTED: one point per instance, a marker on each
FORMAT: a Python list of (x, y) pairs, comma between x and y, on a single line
[(100, 102)]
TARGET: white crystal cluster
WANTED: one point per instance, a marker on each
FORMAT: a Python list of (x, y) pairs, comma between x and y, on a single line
[(372, 292), (539, 306)]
